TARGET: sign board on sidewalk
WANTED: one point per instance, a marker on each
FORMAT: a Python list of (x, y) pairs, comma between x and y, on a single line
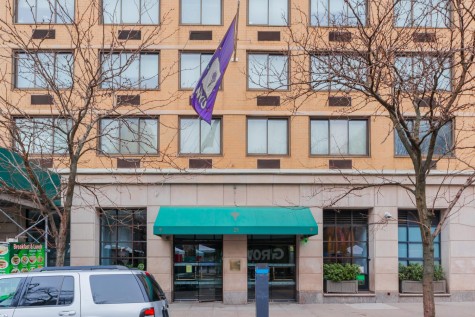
[(21, 257)]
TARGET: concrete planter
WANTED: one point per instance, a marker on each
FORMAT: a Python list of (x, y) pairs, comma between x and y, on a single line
[(347, 287), (415, 287)]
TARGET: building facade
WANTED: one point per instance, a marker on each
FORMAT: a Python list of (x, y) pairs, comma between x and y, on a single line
[(260, 156)]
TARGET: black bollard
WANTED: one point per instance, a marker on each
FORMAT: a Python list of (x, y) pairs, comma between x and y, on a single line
[(262, 290)]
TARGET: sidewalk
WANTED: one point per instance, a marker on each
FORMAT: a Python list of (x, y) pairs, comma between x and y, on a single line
[(445, 309)]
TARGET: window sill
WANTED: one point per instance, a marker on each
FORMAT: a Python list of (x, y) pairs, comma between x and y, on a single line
[(420, 295), (194, 24), (42, 24), (362, 294), (342, 157), (129, 24), (198, 155), (267, 25)]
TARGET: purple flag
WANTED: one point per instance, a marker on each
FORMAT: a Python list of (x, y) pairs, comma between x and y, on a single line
[(204, 94)]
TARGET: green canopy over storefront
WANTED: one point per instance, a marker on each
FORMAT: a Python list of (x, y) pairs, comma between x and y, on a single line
[(235, 220), (13, 175)]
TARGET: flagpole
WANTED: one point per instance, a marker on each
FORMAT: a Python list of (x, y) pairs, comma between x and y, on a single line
[(236, 32)]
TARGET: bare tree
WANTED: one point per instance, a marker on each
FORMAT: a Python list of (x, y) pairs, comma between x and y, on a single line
[(91, 77), (409, 61)]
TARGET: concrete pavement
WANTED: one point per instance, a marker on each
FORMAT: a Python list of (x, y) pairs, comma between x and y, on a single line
[(444, 309)]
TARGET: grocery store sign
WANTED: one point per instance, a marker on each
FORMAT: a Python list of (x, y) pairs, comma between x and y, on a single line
[(259, 255)]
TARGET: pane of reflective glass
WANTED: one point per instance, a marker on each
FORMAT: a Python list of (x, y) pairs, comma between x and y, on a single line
[(150, 12), (257, 136), (415, 250), (44, 11), (149, 71), (257, 71), (319, 12), (338, 12), (62, 127), (278, 12), (148, 135), (26, 11), (211, 13), (277, 137), (320, 72), (258, 12), (211, 137), (402, 250), (64, 11), (189, 136), (129, 136), (130, 68), (191, 11), (42, 291), (357, 137), (25, 75), (338, 137), (110, 136), (360, 233), (402, 233), (437, 250), (402, 13), (189, 69), (43, 139), (415, 234), (64, 70), (131, 11), (319, 137), (278, 72), (44, 67), (111, 11)]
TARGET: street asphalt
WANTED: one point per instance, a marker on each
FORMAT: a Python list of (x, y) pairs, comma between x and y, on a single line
[(444, 309)]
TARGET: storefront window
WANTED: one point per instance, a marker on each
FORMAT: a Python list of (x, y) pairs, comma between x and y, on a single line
[(279, 253), (198, 268), (345, 240), (124, 237)]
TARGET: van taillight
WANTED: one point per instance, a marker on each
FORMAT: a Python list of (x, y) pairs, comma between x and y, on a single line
[(148, 312)]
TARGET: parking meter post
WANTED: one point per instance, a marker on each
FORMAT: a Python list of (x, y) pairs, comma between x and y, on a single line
[(262, 290)]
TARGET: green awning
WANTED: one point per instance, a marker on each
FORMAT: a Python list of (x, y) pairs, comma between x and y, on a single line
[(13, 176), (235, 220)]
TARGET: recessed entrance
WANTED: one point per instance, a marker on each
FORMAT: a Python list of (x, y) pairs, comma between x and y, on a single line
[(198, 268), (280, 253)]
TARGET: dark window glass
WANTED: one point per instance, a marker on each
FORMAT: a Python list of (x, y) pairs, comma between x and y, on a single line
[(8, 290), (345, 240), (410, 240), (124, 237), (49, 291), (115, 289), (153, 290)]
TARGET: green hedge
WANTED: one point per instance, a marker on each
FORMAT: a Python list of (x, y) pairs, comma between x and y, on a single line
[(338, 272), (414, 272)]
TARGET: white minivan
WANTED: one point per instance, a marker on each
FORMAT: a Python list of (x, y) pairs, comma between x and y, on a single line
[(82, 291)]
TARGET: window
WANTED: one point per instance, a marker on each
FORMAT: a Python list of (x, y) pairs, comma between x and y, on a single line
[(129, 136), (115, 289), (337, 72), (124, 237), (8, 289), (205, 12), (43, 69), (130, 70), (131, 11), (443, 143), (45, 11), (410, 241), (423, 73), (191, 67), (268, 12), (422, 13), (49, 291), (267, 136), (345, 240), (199, 137), (43, 135), (267, 71), (339, 137), (337, 13)]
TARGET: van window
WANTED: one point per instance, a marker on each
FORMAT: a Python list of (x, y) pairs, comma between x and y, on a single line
[(153, 290), (8, 289), (115, 289), (49, 291)]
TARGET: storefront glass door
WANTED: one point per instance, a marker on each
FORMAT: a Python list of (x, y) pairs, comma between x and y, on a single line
[(280, 254), (198, 268)]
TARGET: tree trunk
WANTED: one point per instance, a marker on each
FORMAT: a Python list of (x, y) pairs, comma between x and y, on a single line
[(425, 219), (61, 240)]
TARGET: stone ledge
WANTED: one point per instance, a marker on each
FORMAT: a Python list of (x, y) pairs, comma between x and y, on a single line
[(420, 295), (349, 295)]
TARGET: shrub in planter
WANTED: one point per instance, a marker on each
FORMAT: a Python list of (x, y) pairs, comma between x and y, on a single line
[(411, 278), (341, 278)]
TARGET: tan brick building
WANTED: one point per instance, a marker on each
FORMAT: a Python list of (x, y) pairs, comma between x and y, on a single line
[(259, 154)]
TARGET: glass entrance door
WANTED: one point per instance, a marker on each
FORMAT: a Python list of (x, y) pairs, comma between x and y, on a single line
[(198, 268), (279, 253)]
